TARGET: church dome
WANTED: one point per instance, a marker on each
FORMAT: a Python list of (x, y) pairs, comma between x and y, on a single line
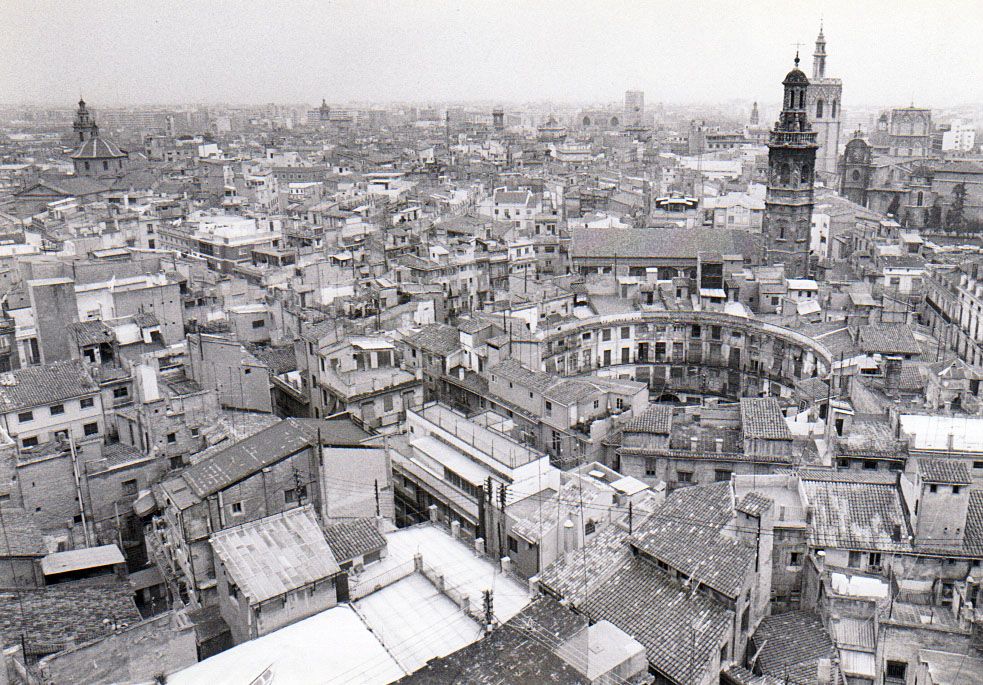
[(795, 76), (98, 148)]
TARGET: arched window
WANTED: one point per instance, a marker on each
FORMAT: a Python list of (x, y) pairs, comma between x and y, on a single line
[(819, 108), (832, 109), (856, 174), (920, 198), (784, 172), (802, 99), (86, 166), (105, 165), (586, 121), (614, 121)]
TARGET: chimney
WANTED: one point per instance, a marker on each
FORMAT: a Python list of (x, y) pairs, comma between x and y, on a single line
[(479, 546), (432, 509), (455, 529), (506, 564), (824, 672), (534, 585)]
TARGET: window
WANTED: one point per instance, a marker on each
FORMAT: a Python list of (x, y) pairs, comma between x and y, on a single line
[(650, 466), (597, 404), (625, 332), (933, 488), (606, 334), (956, 489), (590, 527), (870, 465), (172, 437), (795, 559), (91, 429), (513, 544), (87, 403), (25, 416), (695, 332), (745, 619), (128, 487), (30, 442), (896, 670), (177, 462), (120, 393), (684, 476), (721, 475), (854, 560), (237, 508), (57, 409), (549, 406), (259, 323), (874, 559)]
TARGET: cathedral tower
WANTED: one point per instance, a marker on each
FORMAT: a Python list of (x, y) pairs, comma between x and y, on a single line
[(824, 100), (791, 169)]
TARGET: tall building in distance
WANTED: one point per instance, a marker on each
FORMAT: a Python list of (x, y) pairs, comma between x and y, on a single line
[(791, 170), (825, 109), (634, 107), (755, 117)]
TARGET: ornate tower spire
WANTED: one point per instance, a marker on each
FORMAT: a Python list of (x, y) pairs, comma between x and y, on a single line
[(819, 56), (84, 124)]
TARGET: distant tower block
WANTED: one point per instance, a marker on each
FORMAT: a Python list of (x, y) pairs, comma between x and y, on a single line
[(498, 118), (634, 107), (754, 115), (824, 100), (791, 169)]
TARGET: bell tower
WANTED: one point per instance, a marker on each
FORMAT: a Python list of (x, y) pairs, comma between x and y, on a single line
[(825, 110), (84, 124), (791, 169)]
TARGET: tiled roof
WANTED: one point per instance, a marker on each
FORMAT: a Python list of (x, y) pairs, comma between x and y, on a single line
[(57, 615), (568, 579), (685, 533), (791, 644), (436, 338), (679, 630), (268, 446), (973, 532), (271, 556), (655, 419), (761, 417), (351, 539), (951, 471), (36, 386), (98, 148), (278, 359), (523, 650), (754, 504), (91, 332), (857, 516), (570, 390), (888, 339), (656, 243), (513, 371)]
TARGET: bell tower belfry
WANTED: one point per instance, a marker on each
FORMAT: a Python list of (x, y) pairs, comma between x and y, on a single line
[(791, 172)]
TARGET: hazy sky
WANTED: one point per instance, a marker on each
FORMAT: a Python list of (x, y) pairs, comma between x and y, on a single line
[(149, 51)]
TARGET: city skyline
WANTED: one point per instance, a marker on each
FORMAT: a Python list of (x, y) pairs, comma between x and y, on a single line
[(509, 53)]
